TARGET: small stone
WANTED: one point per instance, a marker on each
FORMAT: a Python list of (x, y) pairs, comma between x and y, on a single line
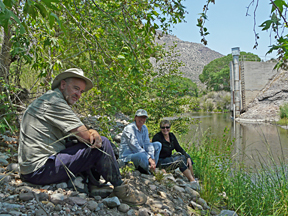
[(100, 206), (165, 212), (123, 208), (111, 202), (50, 205), (13, 167), (14, 213), (79, 182), (131, 212), (194, 185), (192, 193), (179, 189), (58, 207), (26, 196), (92, 205), (136, 173), (23, 189), (196, 206), (42, 196), (46, 187), (40, 212), (227, 213), (149, 177), (169, 177), (203, 203), (143, 212), (76, 200), (11, 206), (82, 195), (162, 194), (62, 185), (97, 198), (152, 187), (13, 196), (57, 198), (5, 178)]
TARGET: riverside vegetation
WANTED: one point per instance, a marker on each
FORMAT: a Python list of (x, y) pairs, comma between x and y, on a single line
[(248, 191)]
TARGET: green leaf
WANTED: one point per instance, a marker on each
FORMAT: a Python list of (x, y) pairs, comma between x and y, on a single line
[(22, 29), (41, 9), (120, 57), (2, 6), (8, 3), (58, 21), (266, 25), (279, 4), (49, 5), (51, 20)]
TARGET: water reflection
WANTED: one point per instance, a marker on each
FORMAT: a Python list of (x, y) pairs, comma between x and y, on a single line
[(253, 142)]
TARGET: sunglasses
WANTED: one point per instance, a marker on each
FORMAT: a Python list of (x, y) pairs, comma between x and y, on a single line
[(167, 127)]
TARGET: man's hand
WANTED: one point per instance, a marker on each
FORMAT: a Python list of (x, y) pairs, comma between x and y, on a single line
[(95, 139), (152, 164)]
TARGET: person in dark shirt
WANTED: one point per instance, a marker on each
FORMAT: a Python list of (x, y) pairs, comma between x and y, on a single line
[(169, 143)]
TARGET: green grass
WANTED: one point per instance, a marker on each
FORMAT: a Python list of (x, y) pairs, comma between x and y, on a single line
[(283, 122), (261, 191)]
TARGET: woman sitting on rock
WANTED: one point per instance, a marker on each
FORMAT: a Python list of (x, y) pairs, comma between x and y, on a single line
[(169, 161)]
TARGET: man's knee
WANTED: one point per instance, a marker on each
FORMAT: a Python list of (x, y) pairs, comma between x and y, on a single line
[(157, 145), (140, 159)]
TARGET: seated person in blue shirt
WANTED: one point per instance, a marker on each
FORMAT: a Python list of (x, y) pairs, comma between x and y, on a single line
[(136, 147), (169, 143)]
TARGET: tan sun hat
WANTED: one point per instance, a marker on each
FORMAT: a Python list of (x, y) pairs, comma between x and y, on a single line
[(72, 72)]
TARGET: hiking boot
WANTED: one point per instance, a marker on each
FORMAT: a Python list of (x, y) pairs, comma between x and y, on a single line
[(103, 191), (129, 195)]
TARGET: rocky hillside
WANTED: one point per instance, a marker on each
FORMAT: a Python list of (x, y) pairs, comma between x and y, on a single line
[(194, 55)]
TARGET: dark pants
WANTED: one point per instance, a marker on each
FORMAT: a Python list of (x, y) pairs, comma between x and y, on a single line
[(77, 159), (173, 162)]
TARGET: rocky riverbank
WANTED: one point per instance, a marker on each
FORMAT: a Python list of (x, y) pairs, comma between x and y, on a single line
[(168, 194)]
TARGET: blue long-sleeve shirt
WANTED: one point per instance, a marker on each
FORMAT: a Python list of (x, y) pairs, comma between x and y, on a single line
[(134, 141)]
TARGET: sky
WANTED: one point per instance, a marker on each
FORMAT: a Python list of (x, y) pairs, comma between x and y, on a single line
[(228, 26)]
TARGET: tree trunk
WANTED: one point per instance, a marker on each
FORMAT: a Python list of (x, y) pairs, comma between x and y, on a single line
[(5, 61), (5, 57)]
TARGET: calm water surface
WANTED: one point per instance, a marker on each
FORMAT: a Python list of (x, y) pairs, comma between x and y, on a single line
[(252, 142)]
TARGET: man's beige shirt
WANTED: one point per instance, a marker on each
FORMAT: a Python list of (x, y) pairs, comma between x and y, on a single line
[(46, 121)]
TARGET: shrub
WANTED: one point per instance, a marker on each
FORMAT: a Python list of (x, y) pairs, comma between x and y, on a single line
[(284, 111)]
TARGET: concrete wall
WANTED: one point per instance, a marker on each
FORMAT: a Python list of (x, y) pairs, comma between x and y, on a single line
[(256, 76)]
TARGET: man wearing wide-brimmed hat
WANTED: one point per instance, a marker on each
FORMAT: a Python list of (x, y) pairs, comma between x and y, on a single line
[(44, 156)]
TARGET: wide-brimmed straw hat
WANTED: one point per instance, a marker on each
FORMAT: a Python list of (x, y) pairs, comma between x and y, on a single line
[(72, 72)]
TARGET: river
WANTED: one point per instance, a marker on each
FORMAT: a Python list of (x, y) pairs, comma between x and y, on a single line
[(252, 142)]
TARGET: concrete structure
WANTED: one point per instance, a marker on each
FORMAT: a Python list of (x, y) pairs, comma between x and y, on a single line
[(247, 79), (256, 76)]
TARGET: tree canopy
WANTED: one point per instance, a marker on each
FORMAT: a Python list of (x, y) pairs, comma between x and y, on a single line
[(112, 41), (216, 74)]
